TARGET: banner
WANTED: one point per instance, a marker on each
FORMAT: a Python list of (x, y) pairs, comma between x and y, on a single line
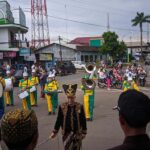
[(9, 54), (45, 56), (30, 58)]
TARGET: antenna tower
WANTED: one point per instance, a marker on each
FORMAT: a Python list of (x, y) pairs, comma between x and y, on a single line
[(39, 25)]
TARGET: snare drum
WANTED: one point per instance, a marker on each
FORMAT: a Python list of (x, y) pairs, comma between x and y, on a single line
[(33, 89), (8, 84), (23, 95)]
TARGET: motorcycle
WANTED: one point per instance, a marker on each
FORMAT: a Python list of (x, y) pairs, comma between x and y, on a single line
[(142, 79), (115, 83)]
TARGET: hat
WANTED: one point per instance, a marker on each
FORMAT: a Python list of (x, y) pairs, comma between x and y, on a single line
[(51, 76), (7, 72), (70, 89), (134, 107), (18, 125), (25, 74), (33, 71)]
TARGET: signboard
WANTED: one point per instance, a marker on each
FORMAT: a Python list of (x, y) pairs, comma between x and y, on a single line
[(45, 56), (24, 52), (1, 55), (96, 42), (9, 54), (30, 57)]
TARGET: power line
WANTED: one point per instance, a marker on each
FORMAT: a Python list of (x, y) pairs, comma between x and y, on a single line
[(92, 24)]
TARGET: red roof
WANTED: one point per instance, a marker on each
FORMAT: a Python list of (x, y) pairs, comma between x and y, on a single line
[(83, 40)]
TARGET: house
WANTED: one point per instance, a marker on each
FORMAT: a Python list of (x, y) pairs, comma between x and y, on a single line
[(12, 34), (56, 52), (88, 48)]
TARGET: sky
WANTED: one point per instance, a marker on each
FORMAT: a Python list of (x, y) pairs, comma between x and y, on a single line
[(83, 18)]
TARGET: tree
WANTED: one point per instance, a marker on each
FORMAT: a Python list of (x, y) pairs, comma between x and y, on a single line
[(112, 46), (139, 20)]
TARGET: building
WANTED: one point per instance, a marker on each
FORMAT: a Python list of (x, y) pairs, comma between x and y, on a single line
[(12, 34), (88, 48), (56, 52)]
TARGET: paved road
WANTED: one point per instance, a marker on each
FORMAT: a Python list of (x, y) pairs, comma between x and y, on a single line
[(103, 132)]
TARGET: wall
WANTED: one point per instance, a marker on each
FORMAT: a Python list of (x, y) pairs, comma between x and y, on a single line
[(4, 37)]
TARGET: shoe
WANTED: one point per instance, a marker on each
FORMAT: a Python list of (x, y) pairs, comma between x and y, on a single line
[(12, 104), (49, 113), (54, 113), (7, 105), (87, 119)]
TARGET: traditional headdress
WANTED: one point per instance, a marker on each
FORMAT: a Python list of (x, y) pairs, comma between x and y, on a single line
[(18, 125), (70, 89)]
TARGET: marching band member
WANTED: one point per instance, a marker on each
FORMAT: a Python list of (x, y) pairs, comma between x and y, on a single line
[(2, 103), (88, 97), (9, 96), (55, 96), (71, 118), (24, 86), (33, 82), (50, 88)]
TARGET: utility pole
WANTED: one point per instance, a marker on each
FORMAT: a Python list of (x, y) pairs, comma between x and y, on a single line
[(108, 25), (60, 50), (147, 32)]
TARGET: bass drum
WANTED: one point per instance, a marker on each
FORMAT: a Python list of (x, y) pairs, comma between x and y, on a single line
[(8, 84), (1, 90)]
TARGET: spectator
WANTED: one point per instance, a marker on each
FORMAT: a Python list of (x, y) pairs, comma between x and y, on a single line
[(134, 115), (19, 130)]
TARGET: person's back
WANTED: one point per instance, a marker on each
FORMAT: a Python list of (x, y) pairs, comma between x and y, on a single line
[(138, 142), (134, 115), (19, 130)]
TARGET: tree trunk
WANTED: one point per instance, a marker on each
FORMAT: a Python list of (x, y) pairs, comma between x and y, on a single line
[(141, 38)]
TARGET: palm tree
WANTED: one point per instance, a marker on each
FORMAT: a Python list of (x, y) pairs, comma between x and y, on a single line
[(139, 20)]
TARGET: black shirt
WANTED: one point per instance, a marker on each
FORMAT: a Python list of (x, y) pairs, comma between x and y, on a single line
[(138, 142)]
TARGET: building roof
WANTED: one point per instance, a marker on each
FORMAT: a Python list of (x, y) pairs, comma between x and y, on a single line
[(71, 46), (15, 27), (135, 44), (83, 40)]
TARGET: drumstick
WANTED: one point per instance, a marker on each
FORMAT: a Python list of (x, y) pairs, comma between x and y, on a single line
[(43, 142)]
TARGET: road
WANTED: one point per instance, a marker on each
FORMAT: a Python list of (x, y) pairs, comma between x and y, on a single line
[(104, 132)]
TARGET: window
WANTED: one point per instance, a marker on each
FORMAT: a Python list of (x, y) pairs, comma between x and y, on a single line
[(82, 58)]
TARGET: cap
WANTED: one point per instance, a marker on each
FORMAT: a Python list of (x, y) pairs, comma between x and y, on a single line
[(25, 74), (18, 125), (134, 106), (70, 89)]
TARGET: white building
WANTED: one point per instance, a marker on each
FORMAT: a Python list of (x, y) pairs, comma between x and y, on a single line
[(11, 34)]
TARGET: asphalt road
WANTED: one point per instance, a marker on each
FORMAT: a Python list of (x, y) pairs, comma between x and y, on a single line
[(104, 132)]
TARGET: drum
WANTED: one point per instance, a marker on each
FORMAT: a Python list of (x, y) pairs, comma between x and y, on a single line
[(8, 84), (1, 90), (33, 89), (23, 95)]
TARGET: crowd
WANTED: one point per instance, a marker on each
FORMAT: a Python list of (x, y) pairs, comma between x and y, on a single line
[(118, 75), (19, 128)]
